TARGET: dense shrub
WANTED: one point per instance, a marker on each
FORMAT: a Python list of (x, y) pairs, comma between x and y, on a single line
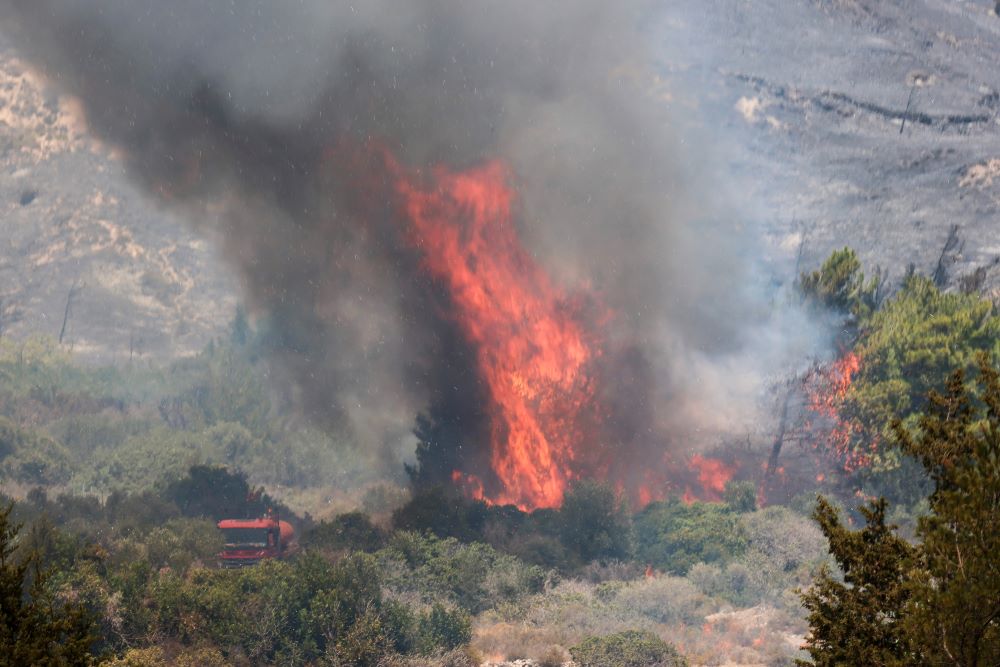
[(473, 576), (138, 657), (781, 542), (538, 549), (840, 285), (443, 628), (351, 531), (741, 496), (627, 649), (180, 542), (217, 493), (665, 600), (35, 627), (593, 523), (444, 513), (31, 458), (673, 536)]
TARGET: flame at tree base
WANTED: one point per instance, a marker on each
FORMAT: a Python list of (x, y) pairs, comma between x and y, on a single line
[(534, 351), (827, 391), (540, 352)]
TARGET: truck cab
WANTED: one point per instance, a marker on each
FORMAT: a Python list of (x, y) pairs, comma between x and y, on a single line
[(249, 541)]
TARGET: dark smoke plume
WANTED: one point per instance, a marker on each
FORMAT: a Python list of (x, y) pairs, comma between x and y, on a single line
[(243, 114)]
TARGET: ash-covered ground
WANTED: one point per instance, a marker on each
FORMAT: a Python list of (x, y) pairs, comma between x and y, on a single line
[(797, 103)]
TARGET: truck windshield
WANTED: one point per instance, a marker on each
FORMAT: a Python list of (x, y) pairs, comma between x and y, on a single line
[(245, 537)]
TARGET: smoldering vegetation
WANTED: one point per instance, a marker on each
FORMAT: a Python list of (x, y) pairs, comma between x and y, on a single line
[(248, 118)]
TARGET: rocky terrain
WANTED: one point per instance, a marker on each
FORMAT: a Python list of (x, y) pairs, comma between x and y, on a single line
[(827, 123), (70, 223)]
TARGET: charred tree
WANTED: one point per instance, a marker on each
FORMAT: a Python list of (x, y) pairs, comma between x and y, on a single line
[(952, 246), (779, 437), (71, 296)]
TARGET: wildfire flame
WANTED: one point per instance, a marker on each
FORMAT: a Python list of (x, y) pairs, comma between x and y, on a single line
[(539, 349), (827, 391), (713, 475), (533, 351), (470, 485)]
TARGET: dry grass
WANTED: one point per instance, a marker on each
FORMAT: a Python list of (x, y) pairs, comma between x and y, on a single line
[(702, 628)]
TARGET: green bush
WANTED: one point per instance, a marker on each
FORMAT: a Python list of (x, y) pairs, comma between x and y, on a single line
[(672, 535), (442, 512), (593, 523), (664, 600), (443, 628), (351, 531), (364, 644), (741, 496), (180, 542), (31, 458), (37, 628), (84, 434), (138, 657), (905, 348), (840, 285), (473, 576), (627, 649), (218, 493)]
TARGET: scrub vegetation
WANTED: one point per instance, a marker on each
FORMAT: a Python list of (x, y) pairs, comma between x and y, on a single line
[(113, 479)]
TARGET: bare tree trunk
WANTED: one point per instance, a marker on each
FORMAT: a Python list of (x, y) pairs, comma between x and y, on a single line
[(806, 229), (779, 437), (906, 114), (74, 291), (941, 272)]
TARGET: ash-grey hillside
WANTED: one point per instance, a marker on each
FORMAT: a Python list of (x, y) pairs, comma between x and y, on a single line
[(806, 98), (144, 286), (817, 93)]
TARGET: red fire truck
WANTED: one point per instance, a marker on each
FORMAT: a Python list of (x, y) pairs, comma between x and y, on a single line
[(249, 541)]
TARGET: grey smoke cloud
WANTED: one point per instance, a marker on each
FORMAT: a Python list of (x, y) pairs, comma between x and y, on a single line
[(236, 112)]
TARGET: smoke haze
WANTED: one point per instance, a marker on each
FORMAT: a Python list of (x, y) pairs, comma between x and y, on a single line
[(247, 116)]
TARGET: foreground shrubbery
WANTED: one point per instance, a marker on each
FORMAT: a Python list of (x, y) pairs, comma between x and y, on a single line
[(297, 612), (144, 570), (37, 627), (627, 649), (442, 570), (936, 602)]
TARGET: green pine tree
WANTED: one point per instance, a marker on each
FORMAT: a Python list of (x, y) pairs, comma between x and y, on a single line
[(857, 621), (936, 603), (35, 627), (840, 285), (953, 614)]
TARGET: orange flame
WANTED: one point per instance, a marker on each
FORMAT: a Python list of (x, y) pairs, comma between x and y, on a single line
[(713, 475), (470, 485), (827, 392), (533, 352)]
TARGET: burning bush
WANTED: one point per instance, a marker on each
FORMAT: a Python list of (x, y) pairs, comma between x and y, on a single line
[(904, 349)]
